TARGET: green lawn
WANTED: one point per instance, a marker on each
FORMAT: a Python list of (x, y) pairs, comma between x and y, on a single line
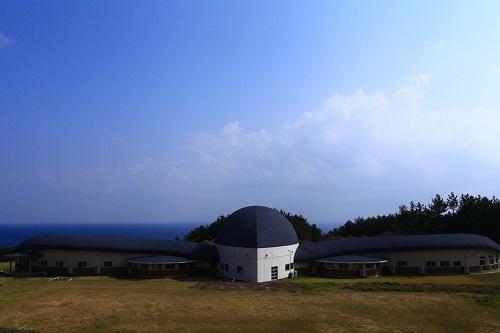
[(386, 304)]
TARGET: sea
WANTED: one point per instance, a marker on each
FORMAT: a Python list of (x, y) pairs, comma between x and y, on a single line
[(12, 234)]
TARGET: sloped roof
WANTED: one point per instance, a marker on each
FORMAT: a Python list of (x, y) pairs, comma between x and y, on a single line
[(256, 227), (350, 246), (179, 248)]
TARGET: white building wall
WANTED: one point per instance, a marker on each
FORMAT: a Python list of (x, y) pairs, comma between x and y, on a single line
[(256, 262), (280, 256), (468, 257), (71, 258)]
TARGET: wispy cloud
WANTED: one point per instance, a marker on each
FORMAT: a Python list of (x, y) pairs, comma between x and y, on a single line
[(5, 40)]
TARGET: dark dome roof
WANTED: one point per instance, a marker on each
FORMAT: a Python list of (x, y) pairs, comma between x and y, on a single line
[(256, 226)]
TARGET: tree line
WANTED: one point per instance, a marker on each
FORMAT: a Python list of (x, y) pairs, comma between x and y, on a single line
[(452, 214)]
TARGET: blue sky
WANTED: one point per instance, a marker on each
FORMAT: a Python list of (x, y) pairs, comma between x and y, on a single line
[(180, 111)]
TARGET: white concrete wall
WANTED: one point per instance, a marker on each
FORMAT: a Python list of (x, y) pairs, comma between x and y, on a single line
[(93, 258), (256, 263), (468, 257), (280, 256)]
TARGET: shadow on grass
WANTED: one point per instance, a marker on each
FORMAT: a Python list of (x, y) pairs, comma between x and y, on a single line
[(15, 330)]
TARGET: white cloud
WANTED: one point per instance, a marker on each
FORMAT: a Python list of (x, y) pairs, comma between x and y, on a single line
[(357, 143), (5, 40), (358, 154)]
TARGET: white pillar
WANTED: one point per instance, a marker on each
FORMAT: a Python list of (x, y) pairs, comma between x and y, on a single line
[(363, 270)]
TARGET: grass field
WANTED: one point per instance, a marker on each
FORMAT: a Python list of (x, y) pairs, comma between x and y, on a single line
[(388, 304)]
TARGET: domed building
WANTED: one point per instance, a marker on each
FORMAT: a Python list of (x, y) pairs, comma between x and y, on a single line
[(256, 244)]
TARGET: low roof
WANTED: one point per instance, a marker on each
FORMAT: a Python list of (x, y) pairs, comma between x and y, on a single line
[(352, 260), (185, 249), (160, 260), (349, 246), (22, 254)]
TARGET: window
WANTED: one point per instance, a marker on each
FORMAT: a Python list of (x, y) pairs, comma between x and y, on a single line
[(226, 267), (370, 265), (287, 267), (59, 264), (135, 266), (291, 265), (82, 264), (274, 273), (143, 266), (156, 266), (183, 265), (170, 267), (491, 260), (344, 266), (221, 266), (430, 264), (43, 263), (444, 263), (108, 264), (239, 269), (402, 263), (457, 263), (482, 261), (330, 266)]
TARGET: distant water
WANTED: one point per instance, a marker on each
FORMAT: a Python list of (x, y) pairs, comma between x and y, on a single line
[(13, 234)]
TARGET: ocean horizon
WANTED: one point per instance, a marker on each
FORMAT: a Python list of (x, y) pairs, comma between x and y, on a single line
[(12, 234)]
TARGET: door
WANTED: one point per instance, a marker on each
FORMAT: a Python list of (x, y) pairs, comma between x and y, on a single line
[(274, 273)]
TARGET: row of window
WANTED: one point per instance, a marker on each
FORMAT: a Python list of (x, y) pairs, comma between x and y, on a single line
[(161, 266), (491, 260), (349, 266), (431, 263), (81, 264)]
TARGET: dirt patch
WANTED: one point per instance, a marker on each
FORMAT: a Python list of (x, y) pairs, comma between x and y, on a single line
[(238, 285)]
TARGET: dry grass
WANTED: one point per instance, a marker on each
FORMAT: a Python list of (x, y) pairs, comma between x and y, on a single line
[(108, 305)]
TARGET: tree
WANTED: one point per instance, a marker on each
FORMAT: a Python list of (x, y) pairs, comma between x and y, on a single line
[(438, 206), (452, 202)]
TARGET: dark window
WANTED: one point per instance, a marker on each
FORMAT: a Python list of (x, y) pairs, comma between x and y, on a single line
[(135, 266), (274, 273), (43, 263), (108, 264), (444, 263), (170, 266), (482, 261), (344, 266), (144, 266), (457, 263), (402, 263), (370, 265), (291, 265), (59, 264), (183, 265), (156, 266), (239, 269), (82, 264), (226, 267), (287, 267), (430, 264), (491, 260), (222, 266)]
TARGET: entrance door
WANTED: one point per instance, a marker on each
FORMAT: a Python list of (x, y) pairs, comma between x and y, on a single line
[(274, 273)]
